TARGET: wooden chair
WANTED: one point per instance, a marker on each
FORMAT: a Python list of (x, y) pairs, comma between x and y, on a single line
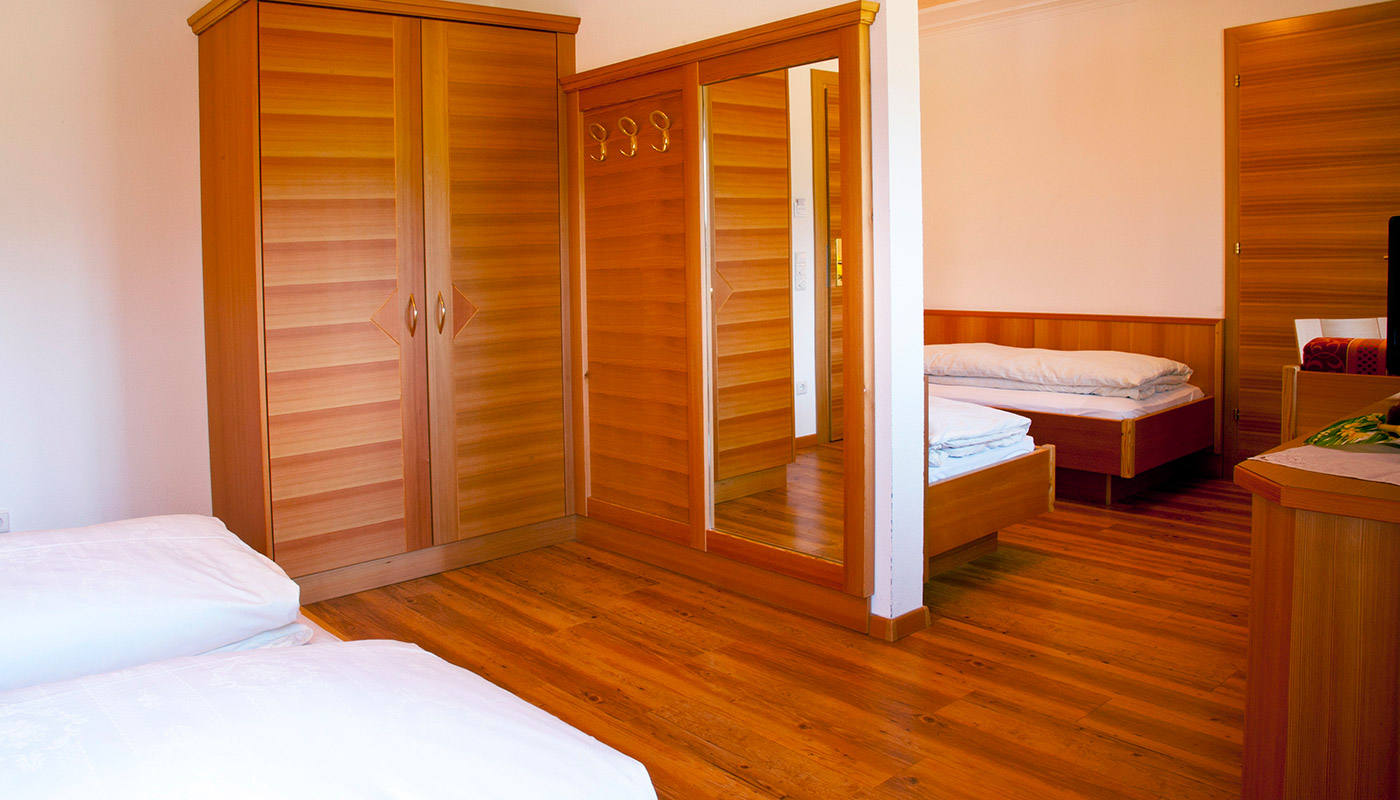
[(1363, 328)]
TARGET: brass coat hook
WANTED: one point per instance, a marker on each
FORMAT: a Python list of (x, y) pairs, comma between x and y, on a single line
[(600, 135), (623, 125), (664, 125)]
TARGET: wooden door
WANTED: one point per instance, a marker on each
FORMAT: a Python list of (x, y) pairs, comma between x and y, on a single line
[(342, 281), (750, 198), (639, 381), (491, 138), (1313, 175)]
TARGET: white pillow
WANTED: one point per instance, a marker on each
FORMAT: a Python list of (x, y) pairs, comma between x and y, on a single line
[(1108, 373), (80, 601)]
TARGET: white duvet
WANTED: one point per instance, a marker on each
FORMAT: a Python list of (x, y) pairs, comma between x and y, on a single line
[(346, 720), (84, 600), (959, 430), (1106, 373)]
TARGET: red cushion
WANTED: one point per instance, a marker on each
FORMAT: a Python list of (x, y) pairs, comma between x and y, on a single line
[(1356, 356)]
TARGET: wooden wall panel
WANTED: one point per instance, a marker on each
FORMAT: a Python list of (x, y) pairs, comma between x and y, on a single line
[(339, 121), (233, 325), (637, 369), (492, 164), (751, 241), (1314, 171)]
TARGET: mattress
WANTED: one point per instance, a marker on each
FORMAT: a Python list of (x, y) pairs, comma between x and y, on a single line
[(1077, 405), (953, 467), (348, 720)]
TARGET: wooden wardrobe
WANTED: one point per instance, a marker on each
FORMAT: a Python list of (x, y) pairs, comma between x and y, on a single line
[(681, 245), (383, 271)]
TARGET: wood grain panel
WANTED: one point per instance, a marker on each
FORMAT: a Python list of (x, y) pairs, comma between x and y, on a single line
[(963, 509), (1322, 705), (638, 378), (1343, 692), (339, 131), (830, 298), (233, 267), (215, 10), (751, 239), (1313, 164), (1314, 400), (492, 159), (317, 389)]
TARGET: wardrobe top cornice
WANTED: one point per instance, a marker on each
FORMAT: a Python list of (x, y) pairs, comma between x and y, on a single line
[(216, 10), (861, 12)]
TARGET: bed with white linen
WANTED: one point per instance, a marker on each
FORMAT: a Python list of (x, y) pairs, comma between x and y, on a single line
[(163, 658), (1120, 397), (368, 719), (984, 472)]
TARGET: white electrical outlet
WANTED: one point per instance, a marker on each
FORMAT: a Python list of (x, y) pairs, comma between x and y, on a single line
[(801, 387), (4, 522)]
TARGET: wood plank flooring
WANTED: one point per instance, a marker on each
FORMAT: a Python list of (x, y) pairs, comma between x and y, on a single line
[(1098, 654), (806, 515)]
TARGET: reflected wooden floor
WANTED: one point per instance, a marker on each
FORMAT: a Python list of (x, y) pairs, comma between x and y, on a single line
[(1099, 654), (806, 516)]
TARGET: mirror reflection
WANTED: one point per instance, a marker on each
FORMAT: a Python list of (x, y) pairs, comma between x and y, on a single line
[(775, 279)]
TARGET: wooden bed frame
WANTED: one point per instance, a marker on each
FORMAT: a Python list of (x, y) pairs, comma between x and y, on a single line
[(1313, 400), (1098, 459), (962, 515)]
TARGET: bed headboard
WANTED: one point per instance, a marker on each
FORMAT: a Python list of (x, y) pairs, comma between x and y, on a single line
[(1193, 341)]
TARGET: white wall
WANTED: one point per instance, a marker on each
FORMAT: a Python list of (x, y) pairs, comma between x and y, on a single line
[(1074, 152), (803, 258), (615, 30), (102, 413)]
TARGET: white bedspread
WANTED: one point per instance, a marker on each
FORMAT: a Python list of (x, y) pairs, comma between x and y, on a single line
[(1078, 405), (80, 601), (346, 720)]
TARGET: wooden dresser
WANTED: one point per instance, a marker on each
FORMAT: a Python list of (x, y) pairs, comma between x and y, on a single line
[(383, 275), (1322, 709)]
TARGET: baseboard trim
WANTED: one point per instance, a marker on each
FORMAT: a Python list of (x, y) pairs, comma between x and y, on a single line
[(432, 560), (892, 630)]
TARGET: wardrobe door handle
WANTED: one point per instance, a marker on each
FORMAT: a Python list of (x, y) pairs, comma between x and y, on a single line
[(442, 313), (412, 316)]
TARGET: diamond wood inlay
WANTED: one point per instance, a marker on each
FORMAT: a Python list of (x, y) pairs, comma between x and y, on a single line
[(462, 311), (720, 290), (384, 317)]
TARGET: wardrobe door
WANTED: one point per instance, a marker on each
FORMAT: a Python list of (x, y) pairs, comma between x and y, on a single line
[(491, 160), (346, 316), (752, 297), (636, 316)]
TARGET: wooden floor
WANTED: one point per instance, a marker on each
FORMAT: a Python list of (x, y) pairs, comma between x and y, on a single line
[(807, 515), (1098, 654)]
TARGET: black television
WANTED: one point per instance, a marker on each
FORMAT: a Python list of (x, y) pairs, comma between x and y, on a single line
[(1392, 302)]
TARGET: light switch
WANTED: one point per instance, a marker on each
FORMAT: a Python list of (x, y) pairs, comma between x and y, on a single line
[(799, 207)]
